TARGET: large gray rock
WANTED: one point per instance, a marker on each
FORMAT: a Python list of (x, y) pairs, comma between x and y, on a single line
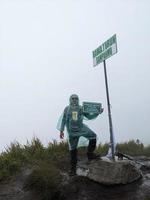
[(108, 172)]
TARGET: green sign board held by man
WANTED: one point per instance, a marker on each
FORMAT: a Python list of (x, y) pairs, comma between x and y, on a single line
[(92, 107)]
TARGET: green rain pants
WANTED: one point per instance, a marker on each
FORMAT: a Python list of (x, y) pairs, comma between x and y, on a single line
[(74, 136)]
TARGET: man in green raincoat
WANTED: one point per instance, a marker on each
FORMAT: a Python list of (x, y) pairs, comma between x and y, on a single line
[(73, 120)]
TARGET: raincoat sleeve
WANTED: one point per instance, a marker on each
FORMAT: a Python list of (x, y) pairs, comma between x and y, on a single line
[(91, 116), (63, 121)]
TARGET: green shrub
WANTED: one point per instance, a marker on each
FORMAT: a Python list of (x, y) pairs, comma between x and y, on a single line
[(11, 160), (132, 147), (45, 179), (147, 150), (103, 148), (34, 150), (8, 166), (16, 155), (55, 149)]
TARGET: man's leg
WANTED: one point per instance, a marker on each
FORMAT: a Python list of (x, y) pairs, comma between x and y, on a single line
[(90, 151), (73, 142), (73, 161), (89, 134)]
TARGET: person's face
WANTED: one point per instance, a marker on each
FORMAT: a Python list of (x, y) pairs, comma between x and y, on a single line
[(74, 101)]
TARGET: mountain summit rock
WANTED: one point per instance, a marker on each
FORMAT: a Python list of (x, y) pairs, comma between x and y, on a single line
[(108, 172)]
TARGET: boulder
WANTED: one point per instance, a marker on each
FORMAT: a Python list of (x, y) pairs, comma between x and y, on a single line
[(108, 172)]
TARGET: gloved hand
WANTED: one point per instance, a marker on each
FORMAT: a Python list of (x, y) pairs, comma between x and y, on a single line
[(61, 135)]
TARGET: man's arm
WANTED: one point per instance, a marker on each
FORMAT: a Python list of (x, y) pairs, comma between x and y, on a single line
[(63, 123), (93, 115)]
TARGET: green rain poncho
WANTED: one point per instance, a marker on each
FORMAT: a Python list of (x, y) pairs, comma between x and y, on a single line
[(72, 118)]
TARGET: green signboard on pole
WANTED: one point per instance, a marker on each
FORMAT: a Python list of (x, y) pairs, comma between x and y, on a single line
[(104, 51)]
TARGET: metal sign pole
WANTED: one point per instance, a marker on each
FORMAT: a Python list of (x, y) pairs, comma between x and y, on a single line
[(109, 113)]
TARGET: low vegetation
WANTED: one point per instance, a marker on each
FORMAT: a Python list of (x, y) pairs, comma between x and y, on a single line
[(47, 162), (132, 148)]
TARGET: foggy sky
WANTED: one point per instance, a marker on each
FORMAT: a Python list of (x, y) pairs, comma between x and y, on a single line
[(46, 55)]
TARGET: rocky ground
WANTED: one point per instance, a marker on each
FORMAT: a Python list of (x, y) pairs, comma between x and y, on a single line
[(79, 188), (14, 189)]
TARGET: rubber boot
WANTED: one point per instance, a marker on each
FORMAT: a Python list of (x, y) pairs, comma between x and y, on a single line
[(91, 147), (73, 162)]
